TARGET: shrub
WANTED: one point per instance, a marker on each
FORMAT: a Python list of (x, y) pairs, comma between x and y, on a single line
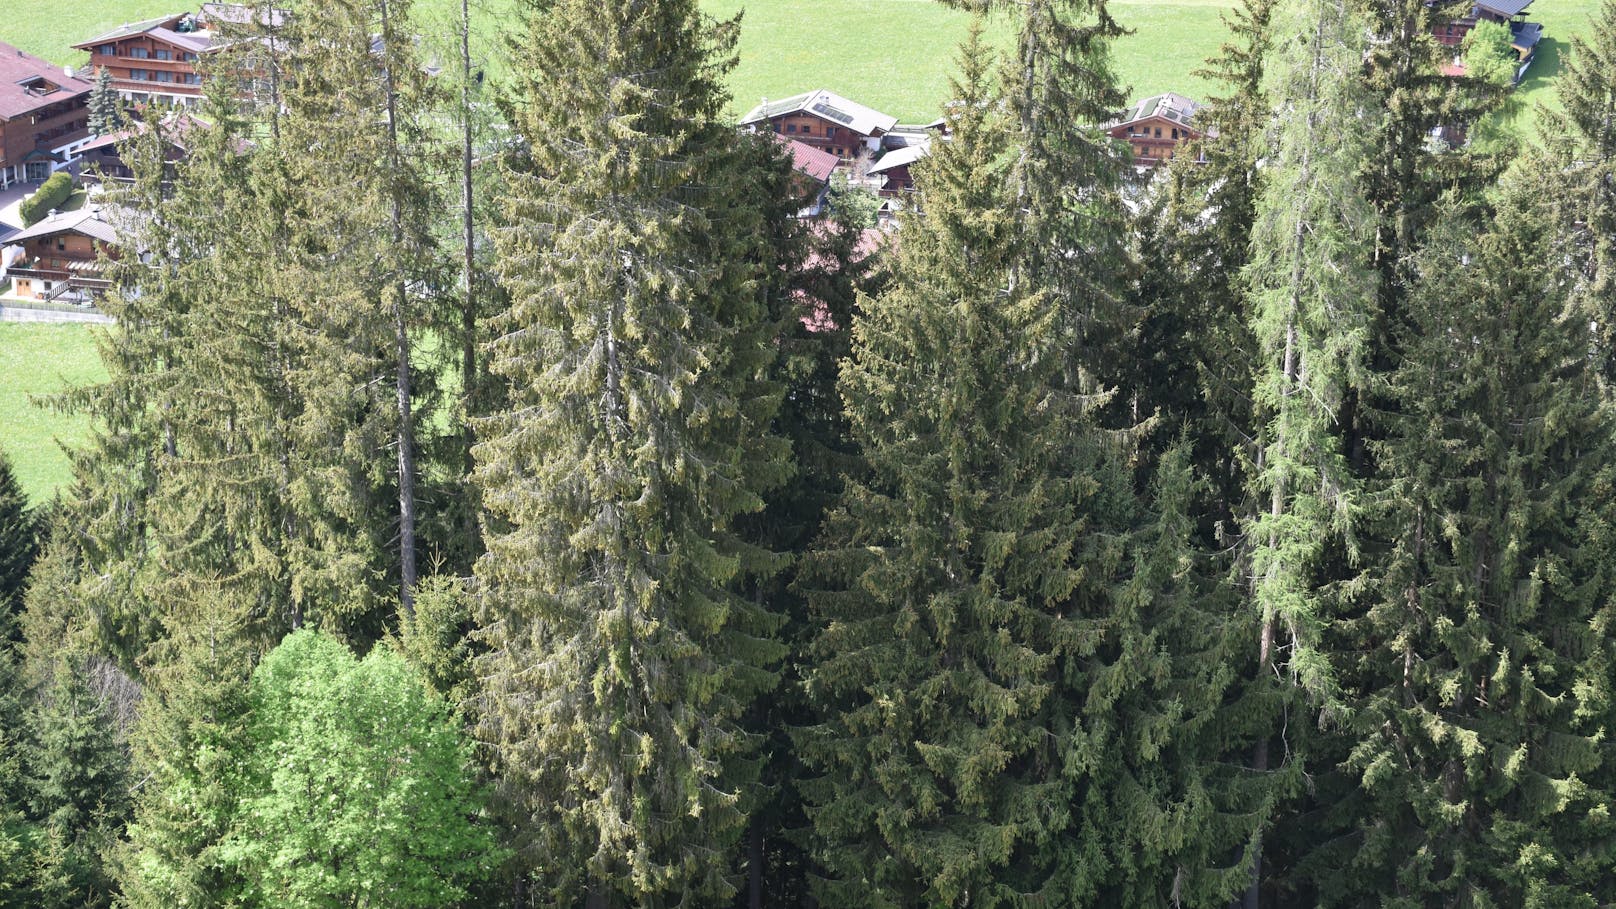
[(53, 192)]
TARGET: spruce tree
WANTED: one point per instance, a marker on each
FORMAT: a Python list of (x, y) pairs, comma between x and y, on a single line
[(19, 537), (1012, 655), (638, 355), (188, 747), (1310, 294), (106, 110), (1582, 140), (75, 788), (1067, 173), (1483, 690), (949, 568)]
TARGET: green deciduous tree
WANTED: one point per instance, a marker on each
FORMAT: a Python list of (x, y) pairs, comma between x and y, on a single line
[(638, 350), (358, 789)]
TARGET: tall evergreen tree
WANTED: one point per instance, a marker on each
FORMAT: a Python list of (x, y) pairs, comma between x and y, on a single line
[(1482, 694), (1311, 303), (19, 537), (999, 679), (638, 354), (1582, 138), (949, 570), (1067, 175), (189, 745), (106, 109)]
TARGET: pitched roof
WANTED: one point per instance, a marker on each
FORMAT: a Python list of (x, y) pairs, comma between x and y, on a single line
[(806, 159), (87, 221), (1525, 35), (1506, 9), (900, 157), (1168, 105), (176, 128), (130, 29), (28, 83), (828, 105)]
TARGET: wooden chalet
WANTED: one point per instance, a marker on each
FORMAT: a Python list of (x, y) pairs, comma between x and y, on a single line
[(1156, 127), (1524, 36), (44, 117), (156, 61), (59, 257), (824, 120)]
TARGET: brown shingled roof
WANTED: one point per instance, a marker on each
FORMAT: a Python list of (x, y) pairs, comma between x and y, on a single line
[(28, 83)]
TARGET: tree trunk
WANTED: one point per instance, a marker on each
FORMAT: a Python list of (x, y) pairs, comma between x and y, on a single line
[(406, 434)]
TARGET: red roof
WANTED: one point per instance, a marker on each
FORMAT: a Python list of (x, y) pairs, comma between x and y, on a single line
[(28, 83), (809, 160)]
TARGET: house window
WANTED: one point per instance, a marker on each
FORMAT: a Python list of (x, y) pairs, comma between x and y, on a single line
[(1175, 132), (107, 50), (164, 76), (1158, 132), (791, 127), (806, 129), (61, 245), (830, 132), (188, 57), (137, 75), (193, 79), (164, 54), (139, 53)]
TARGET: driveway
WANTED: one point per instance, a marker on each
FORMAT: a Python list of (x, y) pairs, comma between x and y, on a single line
[(10, 198)]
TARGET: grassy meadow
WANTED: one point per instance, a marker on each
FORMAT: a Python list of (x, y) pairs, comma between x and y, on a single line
[(894, 55), (38, 359)]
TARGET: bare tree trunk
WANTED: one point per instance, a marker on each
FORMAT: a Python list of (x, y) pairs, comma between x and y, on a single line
[(754, 865), (408, 574), (468, 312)]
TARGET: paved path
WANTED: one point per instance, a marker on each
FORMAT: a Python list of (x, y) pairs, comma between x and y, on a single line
[(21, 314), (10, 198)]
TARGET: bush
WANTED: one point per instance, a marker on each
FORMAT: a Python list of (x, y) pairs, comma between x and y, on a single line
[(53, 192)]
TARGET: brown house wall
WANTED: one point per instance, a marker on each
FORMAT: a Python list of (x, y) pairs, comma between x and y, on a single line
[(57, 125), (1149, 147), (820, 133), (123, 62)]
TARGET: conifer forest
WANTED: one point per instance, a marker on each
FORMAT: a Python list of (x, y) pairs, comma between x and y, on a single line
[(500, 497)]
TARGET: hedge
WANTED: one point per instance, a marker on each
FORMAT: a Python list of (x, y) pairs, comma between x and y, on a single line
[(53, 192)]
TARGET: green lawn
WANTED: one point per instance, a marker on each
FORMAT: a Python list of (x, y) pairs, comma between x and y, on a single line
[(35, 359)]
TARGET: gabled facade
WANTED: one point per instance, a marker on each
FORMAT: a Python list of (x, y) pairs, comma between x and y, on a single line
[(1156, 127), (59, 256), (824, 120), (44, 117)]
